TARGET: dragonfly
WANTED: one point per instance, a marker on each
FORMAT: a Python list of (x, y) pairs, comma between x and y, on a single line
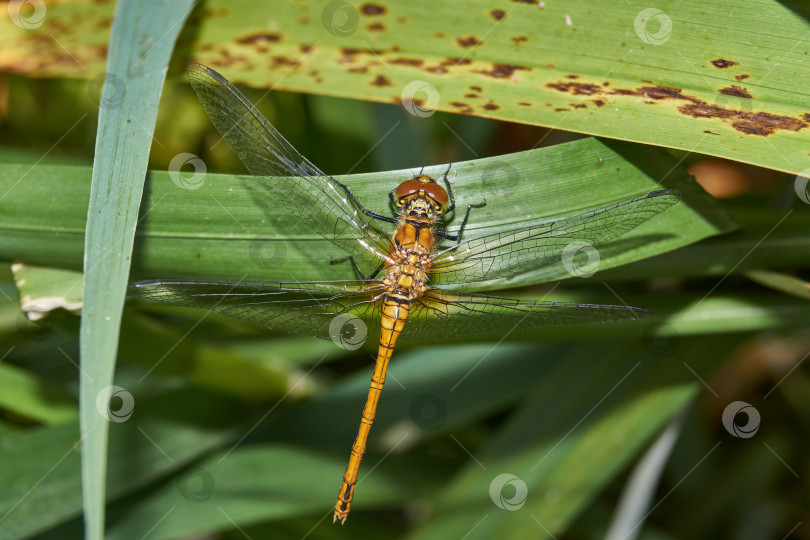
[(400, 296)]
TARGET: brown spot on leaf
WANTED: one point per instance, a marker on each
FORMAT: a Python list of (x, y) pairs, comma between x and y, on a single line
[(375, 27), (524, 104), (578, 105), (741, 77), (416, 62), (381, 81), (710, 132), (468, 41), (491, 106), (561, 110), (572, 76), (723, 63), (503, 71), (519, 39), (456, 62), (465, 108), (576, 88), (436, 69), (261, 38), (471, 95), (277, 61), (476, 88), (497, 14), (598, 102), (372, 9), (359, 69), (750, 123), (305, 48), (735, 90), (525, 2)]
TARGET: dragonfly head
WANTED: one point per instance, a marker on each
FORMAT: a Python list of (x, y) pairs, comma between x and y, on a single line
[(422, 195)]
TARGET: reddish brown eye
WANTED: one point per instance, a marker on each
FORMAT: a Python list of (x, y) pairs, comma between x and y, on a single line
[(408, 187), (437, 193)]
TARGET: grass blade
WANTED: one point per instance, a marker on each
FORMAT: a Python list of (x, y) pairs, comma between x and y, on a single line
[(141, 43)]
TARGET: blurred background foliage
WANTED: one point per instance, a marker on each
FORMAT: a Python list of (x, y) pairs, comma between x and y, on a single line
[(238, 431)]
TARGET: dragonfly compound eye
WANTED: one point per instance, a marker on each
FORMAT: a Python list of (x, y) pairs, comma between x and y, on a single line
[(438, 195), (407, 189)]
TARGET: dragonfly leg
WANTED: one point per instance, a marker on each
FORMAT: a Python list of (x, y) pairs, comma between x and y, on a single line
[(356, 268), (457, 237), (452, 205), (369, 213)]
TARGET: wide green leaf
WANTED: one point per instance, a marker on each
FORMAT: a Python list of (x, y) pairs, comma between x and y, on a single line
[(676, 74), (230, 228)]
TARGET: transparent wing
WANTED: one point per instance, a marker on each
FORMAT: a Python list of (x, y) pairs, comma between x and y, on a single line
[(318, 309), (316, 199), (440, 314), (529, 248)]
